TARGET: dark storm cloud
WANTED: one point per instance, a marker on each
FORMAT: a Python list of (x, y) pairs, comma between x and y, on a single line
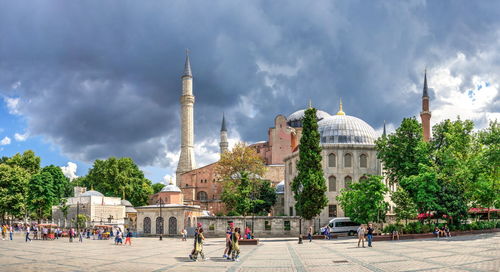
[(102, 78)]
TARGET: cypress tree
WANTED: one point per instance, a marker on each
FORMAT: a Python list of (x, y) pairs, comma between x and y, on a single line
[(309, 185)]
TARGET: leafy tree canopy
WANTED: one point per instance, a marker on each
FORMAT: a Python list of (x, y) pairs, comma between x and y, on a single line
[(157, 187), (119, 177), (363, 201)]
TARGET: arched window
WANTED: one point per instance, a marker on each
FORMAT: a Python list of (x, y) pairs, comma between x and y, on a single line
[(347, 181), (147, 225), (332, 184), (363, 178), (347, 160), (290, 168), (331, 160), (159, 225), (202, 196), (363, 161), (172, 226)]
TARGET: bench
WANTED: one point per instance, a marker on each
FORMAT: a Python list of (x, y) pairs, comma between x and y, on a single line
[(248, 242)]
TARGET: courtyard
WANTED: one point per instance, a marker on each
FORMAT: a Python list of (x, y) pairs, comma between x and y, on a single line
[(465, 253)]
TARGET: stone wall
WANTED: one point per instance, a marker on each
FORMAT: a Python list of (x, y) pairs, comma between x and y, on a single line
[(264, 226)]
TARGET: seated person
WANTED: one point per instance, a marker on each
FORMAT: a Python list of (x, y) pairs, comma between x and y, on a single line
[(436, 232), (395, 234)]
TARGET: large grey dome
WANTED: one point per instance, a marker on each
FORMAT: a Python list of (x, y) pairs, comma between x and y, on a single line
[(345, 129), (171, 188), (295, 119), (91, 193)]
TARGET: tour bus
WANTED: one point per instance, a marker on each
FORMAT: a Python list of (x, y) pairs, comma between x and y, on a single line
[(343, 225)]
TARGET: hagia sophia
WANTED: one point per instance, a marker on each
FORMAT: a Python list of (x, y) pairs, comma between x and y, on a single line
[(348, 151), (348, 155)]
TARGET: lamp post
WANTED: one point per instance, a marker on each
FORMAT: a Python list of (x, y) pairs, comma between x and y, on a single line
[(161, 222)]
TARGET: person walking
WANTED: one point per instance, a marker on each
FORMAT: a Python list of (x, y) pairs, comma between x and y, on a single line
[(4, 232), (310, 233), (361, 235), (369, 235), (198, 227), (235, 245), (11, 232), (227, 250), (71, 235), (198, 248), (184, 235), (28, 233), (80, 236), (128, 238)]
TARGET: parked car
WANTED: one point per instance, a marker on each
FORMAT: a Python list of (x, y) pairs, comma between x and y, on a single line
[(343, 225)]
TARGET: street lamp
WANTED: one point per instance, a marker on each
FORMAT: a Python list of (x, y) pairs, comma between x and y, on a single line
[(161, 221)]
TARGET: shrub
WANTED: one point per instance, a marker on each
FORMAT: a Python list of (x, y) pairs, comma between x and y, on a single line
[(391, 227), (426, 228), (233, 213)]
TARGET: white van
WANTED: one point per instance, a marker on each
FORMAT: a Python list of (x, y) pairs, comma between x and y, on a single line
[(343, 225)]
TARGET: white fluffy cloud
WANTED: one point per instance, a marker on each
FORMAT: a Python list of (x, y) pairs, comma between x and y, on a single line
[(12, 105), (5, 141), (461, 90), (21, 137), (70, 170)]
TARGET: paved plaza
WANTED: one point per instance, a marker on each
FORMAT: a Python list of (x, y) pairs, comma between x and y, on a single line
[(466, 253)]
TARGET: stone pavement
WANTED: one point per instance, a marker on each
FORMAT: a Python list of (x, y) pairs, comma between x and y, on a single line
[(465, 253)]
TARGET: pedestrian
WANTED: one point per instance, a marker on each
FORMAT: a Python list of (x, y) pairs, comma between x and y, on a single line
[(129, 237), (4, 232), (80, 237), (327, 232), (227, 250), (369, 234), (88, 233), (310, 233), (198, 227), (361, 235), (235, 245), (11, 232), (71, 235), (45, 233), (184, 235), (248, 233), (198, 245), (28, 233)]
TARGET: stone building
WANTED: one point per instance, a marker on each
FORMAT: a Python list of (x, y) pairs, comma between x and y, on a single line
[(348, 155), (167, 214), (98, 208), (263, 226)]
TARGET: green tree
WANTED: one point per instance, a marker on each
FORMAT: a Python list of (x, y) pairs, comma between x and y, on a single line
[(485, 189), (81, 221), (28, 160), (157, 187), (309, 186), (119, 177), (241, 170), (423, 188), (41, 195), (403, 151), (364, 201), (13, 189), (405, 208), (267, 195), (61, 184)]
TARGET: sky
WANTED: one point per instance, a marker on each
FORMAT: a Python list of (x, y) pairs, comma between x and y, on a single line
[(86, 80)]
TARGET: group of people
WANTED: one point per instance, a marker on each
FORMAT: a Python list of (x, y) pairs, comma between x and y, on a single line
[(119, 237), (443, 231), (232, 249), (365, 233)]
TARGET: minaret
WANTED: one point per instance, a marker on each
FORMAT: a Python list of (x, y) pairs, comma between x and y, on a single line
[(186, 158), (340, 112), (223, 136), (425, 114)]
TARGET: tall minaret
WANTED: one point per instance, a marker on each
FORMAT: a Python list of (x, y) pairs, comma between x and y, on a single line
[(223, 136), (425, 114), (186, 159)]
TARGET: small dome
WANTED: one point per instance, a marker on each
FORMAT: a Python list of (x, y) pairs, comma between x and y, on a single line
[(171, 188), (126, 203), (91, 193), (280, 187), (345, 129), (295, 119)]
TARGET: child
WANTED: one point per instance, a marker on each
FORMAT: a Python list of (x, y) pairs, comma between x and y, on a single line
[(129, 237), (235, 245), (198, 248), (184, 234)]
